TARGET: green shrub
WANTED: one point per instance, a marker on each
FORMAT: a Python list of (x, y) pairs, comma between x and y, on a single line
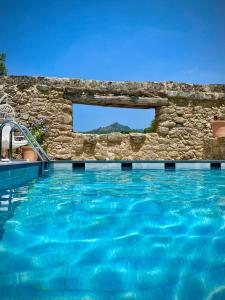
[(39, 129), (152, 127), (118, 157), (3, 70)]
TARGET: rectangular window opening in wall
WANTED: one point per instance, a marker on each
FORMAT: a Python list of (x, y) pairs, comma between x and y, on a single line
[(103, 120)]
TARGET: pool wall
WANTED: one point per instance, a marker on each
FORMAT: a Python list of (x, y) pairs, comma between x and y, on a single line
[(17, 173), (136, 164)]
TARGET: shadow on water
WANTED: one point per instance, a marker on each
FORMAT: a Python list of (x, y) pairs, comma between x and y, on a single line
[(7, 208), (10, 200)]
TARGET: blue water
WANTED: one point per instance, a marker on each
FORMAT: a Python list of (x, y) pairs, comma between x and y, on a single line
[(98, 235)]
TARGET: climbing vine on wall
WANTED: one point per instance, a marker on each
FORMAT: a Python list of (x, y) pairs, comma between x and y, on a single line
[(3, 70)]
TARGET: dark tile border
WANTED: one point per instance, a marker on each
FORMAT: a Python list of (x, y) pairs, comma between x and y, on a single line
[(78, 165), (126, 166), (215, 165), (137, 161), (170, 165)]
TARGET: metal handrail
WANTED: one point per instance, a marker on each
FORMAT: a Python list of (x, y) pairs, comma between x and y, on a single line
[(29, 137), (38, 145)]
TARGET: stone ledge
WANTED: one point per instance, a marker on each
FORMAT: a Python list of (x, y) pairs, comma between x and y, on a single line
[(170, 90), (117, 101)]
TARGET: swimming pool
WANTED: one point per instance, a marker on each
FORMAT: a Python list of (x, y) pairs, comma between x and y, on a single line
[(112, 234)]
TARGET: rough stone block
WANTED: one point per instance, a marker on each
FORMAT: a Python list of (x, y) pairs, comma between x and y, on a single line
[(169, 124), (179, 120), (44, 88), (137, 138), (163, 131), (115, 138), (90, 139)]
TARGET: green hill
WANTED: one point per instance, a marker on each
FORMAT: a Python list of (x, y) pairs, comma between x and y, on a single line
[(114, 127)]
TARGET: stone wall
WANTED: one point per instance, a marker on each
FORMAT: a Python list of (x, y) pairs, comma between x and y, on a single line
[(216, 148), (183, 116)]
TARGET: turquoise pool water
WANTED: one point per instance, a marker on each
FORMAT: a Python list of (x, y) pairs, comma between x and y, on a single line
[(141, 234)]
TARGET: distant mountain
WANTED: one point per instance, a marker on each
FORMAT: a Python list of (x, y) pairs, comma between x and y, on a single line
[(114, 127)]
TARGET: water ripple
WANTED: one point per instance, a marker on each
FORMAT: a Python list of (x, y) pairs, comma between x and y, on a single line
[(146, 234)]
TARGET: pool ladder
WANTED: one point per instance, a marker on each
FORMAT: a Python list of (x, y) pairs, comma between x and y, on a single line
[(28, 136)]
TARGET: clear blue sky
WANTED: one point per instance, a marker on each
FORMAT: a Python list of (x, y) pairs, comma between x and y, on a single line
[(115, 40)]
